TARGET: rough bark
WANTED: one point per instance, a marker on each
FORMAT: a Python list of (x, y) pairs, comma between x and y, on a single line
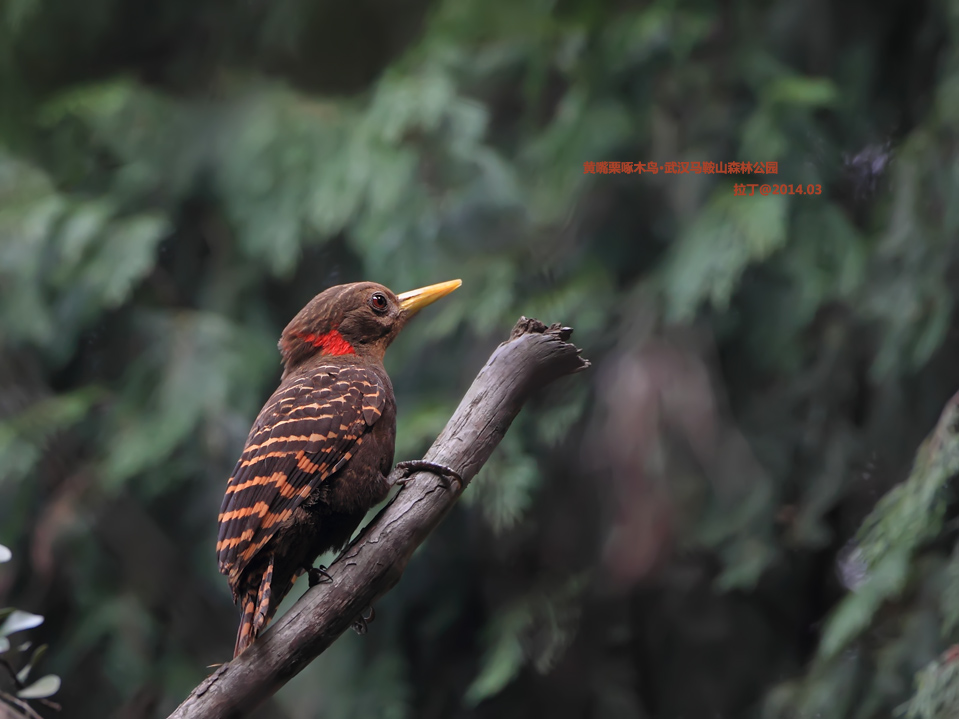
[(532, 357)]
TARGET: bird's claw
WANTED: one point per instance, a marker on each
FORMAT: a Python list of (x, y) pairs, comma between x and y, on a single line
[(362, 623), (447, 476), (318, 575)]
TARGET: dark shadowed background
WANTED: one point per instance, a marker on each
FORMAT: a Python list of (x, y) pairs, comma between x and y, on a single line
[(670, 535)]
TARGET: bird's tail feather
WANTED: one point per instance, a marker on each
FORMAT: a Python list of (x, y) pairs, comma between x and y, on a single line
[(257, 608), (245, 634)]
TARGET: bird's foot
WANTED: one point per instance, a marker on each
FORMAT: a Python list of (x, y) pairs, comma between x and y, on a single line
[(318, 575), (362, 623), (447, 476)]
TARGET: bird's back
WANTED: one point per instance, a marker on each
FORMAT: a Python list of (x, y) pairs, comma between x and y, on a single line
[(315, 462)]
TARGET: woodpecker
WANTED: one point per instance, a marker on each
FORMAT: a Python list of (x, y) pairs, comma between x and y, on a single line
[(321, 449)]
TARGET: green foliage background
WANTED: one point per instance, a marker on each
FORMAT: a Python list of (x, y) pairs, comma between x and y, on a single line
[(177, 179)]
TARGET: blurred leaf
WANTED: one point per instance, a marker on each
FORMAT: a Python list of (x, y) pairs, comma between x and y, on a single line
[(124, 255), (545, 622), (884, 581), (19, 11), (912, 512), (416, 430), (503, 657), (803, 91), (937, 689), (947, 599), (553, 424), (710, 256), (18, 621), (89, 101), (504, 488), (38, 654), (23, 437), (192, 361), (42, 688)]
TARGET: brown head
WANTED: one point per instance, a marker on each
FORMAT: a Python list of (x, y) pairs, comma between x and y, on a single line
[(356, 319)]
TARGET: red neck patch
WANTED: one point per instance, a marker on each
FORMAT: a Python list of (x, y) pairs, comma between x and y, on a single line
[(331, 343)]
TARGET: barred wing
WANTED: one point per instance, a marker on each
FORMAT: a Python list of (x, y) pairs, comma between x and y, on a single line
[(304, 434)]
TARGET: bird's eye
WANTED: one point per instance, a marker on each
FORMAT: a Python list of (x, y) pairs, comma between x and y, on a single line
[(379, 302)]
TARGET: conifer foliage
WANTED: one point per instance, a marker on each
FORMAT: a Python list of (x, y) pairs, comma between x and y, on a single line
[(746, 510)]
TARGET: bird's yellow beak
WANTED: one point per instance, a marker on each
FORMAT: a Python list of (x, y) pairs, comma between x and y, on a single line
[(413, 301)]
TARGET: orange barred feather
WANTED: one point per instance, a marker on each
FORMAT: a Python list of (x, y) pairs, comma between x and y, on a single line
[(306, 432)]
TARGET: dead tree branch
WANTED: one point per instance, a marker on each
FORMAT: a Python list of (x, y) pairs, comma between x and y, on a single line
[(533, 356)]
